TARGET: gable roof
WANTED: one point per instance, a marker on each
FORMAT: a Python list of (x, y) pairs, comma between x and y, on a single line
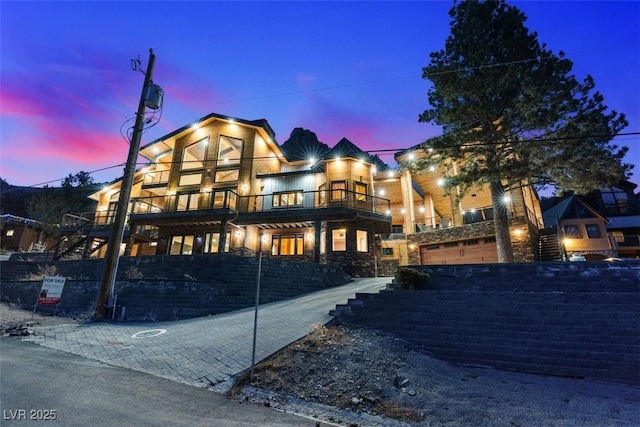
[(552, 216)]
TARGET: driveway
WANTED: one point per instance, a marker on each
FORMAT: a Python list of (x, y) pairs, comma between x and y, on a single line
[(206, 351)]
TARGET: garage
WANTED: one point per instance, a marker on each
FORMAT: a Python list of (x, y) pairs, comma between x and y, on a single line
[(470, 251)]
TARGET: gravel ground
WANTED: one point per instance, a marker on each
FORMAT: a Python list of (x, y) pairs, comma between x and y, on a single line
[(381, 381), (351, 376)]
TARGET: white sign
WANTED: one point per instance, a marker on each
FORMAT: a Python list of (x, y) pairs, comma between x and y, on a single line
[(51, 291)]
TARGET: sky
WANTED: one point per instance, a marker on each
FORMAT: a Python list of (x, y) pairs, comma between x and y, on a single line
[(348, 69)]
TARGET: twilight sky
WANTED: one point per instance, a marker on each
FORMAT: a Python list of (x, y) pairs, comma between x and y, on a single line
[(339, 69)]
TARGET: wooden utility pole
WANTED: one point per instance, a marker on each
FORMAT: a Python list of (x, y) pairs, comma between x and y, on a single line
[(112, 256)]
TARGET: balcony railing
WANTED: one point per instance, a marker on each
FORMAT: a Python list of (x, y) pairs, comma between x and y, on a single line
[(319, 199), (629, 240), (156, 177)]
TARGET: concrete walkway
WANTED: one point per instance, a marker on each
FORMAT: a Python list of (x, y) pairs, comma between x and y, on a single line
[(204, 352)]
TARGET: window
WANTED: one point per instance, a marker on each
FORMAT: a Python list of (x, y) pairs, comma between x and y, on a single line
[(229, 151), (292, 244), (288, 198), (224, 199), (362, 241), (9, 233), (190, 179), (593, 231), (615, 200), (339, 240), (360, 189), (194, 155), (227, 175), (387, 251), (572, 231), (618, 236), (322, 195), (339, 190), (181, 245), (188, 202), (396, 229), (211, 241)]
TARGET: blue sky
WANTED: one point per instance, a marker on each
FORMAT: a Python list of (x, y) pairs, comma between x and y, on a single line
[(339, 69)]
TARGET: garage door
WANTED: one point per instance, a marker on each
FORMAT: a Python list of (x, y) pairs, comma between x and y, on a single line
[(470, 251)]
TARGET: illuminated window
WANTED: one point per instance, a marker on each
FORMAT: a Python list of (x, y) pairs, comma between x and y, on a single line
[(618, 236), (339, 190), (10, 233), (190, 179), (322, 195), (339, 240), (194, 155), (181, 245), (227, 175), (362, 242), (292, 244), (187, 202), (361, 191), (593, 231), (212, 240), (288, 198), (230, 151)]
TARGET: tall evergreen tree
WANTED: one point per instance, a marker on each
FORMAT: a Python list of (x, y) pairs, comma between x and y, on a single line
[(512, 110)]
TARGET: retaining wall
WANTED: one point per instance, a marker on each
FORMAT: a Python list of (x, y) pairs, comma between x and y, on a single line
[(565, 319), (169, 287)]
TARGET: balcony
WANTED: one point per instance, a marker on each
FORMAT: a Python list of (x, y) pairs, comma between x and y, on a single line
[(296, 206)]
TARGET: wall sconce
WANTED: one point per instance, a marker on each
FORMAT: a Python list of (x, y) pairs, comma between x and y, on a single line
[(412, 246)]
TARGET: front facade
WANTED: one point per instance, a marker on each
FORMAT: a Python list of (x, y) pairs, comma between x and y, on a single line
[(224, 185)]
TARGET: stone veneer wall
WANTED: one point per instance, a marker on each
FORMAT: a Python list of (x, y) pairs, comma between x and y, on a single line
[(579, 319), (170, 287), (523, 248)]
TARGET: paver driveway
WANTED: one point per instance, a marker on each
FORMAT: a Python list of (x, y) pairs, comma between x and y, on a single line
[(206, 351)]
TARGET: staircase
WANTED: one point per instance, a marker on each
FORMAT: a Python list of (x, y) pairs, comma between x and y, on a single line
[(549, 245)]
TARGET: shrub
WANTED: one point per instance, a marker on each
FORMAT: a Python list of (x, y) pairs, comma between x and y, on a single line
[(411, 279)]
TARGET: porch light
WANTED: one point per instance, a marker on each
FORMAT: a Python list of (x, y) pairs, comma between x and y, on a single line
[(402, 211), (388, 212), (506, 199), (381, 192), (412, 156), (421, 209), (440, 182), (312, 160), (517, 232)]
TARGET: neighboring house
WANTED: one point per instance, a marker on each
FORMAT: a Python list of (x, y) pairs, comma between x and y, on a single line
[(582, 230), (622, 208), (224, 184), (19, 235)]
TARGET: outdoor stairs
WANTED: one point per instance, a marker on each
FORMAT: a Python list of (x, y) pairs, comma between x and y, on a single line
[(549, 245)]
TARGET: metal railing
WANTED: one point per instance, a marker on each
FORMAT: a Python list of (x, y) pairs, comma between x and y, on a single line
[(156, 177), (318, 199)]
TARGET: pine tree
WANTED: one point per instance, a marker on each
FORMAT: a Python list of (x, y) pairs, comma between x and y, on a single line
[(512, 111)]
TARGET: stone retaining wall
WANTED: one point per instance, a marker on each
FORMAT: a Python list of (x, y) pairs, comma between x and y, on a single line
[(169, 287), (566, 319)]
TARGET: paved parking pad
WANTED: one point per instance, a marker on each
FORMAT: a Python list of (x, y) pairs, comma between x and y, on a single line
[(206, 351)]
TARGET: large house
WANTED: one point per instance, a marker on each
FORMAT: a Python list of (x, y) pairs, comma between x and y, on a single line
[(224, 184)]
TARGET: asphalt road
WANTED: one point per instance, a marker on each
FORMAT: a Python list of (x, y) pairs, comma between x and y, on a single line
[(42, 386)]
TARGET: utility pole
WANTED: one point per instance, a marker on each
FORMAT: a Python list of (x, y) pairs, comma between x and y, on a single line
[(112, 256)]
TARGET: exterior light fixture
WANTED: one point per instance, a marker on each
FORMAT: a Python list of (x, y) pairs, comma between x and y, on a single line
[(402, 211), (390, 174), (506, 199), (381, 192), (312, 160), (440, 182)]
